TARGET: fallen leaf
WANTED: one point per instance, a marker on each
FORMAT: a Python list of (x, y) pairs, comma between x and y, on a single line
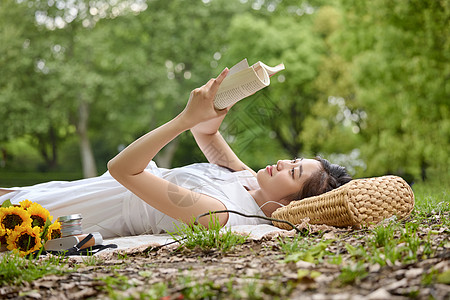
[(396, 284), (145, 273), (413, 273), (444, 277), (380, 294)]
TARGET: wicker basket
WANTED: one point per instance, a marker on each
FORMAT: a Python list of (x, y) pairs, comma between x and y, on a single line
[(359, 202)]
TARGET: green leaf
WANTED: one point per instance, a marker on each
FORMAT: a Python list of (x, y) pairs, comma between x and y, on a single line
[(145, 273), (294, 257), (45, 229), (351, 250), (317, 250), (315, 274), (7, 203), (311, 255), (444, 277), (308, 257), (302, 273)]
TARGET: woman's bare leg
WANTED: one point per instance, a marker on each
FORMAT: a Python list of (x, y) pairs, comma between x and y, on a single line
[(4, 192)]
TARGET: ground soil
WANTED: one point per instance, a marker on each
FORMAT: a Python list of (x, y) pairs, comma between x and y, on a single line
[(254, 270)]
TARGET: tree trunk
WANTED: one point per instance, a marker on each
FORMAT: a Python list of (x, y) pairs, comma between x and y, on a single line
[(47, 143), (87, 155)]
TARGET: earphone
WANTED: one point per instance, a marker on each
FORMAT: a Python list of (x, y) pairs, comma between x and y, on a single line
[(272, 202)]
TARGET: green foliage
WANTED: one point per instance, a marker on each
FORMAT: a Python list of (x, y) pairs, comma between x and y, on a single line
[(444, 277), (356, 252), (198, 290), (294, 245), (213, 237), (110, 77), (353, 273), (156, 291), (393, 52), (6, 203), (91, 260), (429, 277), (312, 254), (283, 106), (117, 282), (367, 76), (390, 244)]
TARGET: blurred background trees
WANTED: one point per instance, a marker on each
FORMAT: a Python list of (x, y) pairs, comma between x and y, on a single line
[(366, 82)]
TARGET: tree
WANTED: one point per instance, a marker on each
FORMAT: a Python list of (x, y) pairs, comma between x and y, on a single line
[(164, 52), (111, 71), (391, 62), (277, 113), (26, 84)]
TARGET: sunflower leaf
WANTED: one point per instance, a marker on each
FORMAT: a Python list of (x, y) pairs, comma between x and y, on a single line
[(7, 203), (45, 229)]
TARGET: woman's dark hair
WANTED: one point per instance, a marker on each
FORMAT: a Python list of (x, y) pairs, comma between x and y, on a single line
[(329, 177)]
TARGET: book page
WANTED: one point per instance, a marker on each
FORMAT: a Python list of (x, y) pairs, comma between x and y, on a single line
[(240, 85), (243, 81), (244, 76), (270, 70), (242, 65)]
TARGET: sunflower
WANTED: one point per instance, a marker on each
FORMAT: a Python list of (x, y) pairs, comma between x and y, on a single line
[(38, 215), (54, 231), (24, 240), (11, 217), (3, 236), (25, 204)]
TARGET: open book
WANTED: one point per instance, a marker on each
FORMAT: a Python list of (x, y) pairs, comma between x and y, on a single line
[(243, 81)]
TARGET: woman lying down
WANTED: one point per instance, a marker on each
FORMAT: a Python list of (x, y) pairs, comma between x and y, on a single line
[(137, 197)]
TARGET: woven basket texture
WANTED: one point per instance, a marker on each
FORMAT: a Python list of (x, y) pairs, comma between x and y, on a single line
[(359, 202)]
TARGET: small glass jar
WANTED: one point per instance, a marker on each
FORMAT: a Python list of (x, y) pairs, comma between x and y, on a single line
[(70, 225)]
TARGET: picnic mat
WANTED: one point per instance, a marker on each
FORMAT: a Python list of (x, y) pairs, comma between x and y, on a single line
[(254, 232)]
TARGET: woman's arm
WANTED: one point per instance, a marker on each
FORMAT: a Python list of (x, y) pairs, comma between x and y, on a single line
[(128, 167), (214, 146)]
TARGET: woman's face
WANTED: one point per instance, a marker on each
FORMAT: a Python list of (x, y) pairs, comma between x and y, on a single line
[(286, 178)]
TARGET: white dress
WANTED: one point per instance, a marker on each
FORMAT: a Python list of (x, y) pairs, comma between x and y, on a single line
[(109, 208)]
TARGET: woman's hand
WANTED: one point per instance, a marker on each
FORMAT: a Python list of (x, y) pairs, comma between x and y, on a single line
[(200, 107)]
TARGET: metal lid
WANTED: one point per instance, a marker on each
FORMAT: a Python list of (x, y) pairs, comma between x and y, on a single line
[(69, 217)]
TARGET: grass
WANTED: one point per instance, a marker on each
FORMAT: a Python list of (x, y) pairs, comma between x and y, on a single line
[(116, 283), (12, 179), (15, 269), (352, 273), (395, 243), (91, 260), (216, 237), (431, 198), (297, 244), (191, 287), (250, 288), (156, 291), (311, 253)]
